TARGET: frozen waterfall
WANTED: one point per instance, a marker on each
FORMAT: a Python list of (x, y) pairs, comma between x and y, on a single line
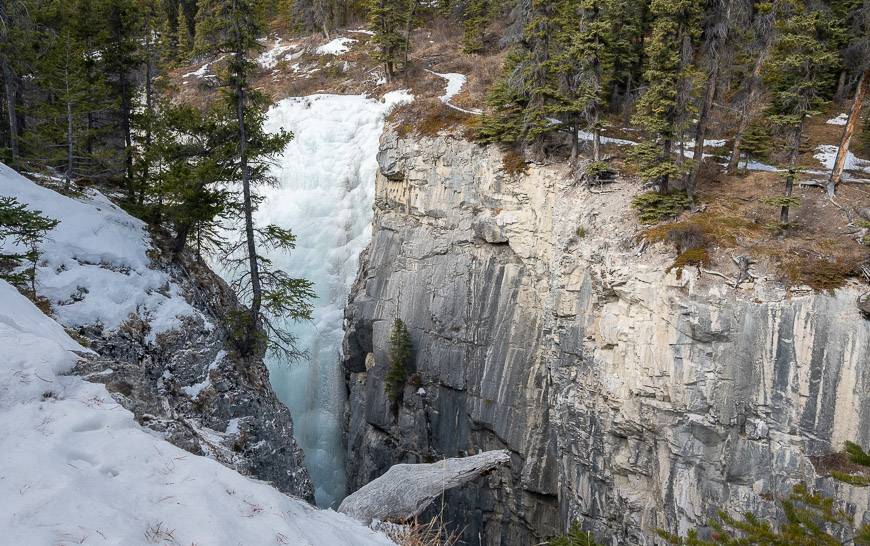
[(325, 191)]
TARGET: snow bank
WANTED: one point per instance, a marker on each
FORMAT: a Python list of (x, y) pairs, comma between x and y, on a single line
[(94, 266), (841, 119), (826, 154), (76, 468), (325, 192), (336, 46)]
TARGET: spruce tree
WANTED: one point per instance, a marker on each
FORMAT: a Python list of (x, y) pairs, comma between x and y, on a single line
[(798, 76), (16, 41), (664, 109), (389, 19), (232, 28), (21, 232), (400, 355), (621, 76), (474, 21)]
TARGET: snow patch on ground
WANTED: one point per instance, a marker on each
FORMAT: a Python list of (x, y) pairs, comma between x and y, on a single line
[(826, 154), (324, 194), (76, 467), (194, 390), (94, 266), (455, 82), (336, 46), (203, 71), (587, 136), (841, 119), (277, 53), (362, 31)]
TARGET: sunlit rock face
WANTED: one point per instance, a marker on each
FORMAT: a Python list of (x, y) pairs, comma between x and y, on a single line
[(630, 398)]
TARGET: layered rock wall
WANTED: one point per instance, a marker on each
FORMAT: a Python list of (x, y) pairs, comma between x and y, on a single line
[(629, 397)]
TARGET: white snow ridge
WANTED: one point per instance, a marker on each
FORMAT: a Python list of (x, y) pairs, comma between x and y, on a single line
[(75, 466)]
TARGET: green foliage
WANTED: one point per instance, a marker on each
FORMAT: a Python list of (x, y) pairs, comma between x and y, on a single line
[(575, 536), (783, 201), (857, 480), (400, 355), (474, 22), (654, 207), (390, 20), (21, 232), (756, 141), (664, 110), (798, 72), (857, 455), (810, 520)]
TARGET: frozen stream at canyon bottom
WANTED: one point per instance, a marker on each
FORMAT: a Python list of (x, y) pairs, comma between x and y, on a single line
[(325, 192)]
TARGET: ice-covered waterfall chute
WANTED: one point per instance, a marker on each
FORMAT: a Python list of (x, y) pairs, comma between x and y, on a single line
[(324, 194)]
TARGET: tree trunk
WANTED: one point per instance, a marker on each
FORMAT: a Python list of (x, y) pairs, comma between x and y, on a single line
[(9, 90), (789, 179), (626, 101), (701, 129), (848, 131), (180, 240), (666, 156), (128, 136), (841, 87), (748, 109)]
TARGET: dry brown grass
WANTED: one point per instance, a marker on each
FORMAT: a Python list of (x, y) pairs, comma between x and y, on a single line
[(818, 249), (429, 118), (416, 533)]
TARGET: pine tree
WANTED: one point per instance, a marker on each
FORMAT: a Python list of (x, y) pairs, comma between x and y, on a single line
[(629, 22), (183, 42), (16, 40), (521, 102), (798, 75), (474, 21), (232, 27), (389, 19), (120, 59), (400, 354), (21, 231), (663, 111), (580, 45)]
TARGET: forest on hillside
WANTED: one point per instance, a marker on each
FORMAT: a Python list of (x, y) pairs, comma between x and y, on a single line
[(88, 96)]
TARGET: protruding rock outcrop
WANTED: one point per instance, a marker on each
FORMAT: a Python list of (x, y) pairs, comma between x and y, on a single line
[(406, 490)]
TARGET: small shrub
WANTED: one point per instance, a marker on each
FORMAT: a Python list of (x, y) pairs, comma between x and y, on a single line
[(400, 352), (857, 455), (820, 274), (575, 536), (581, 232), (858, 480), (22, 230), (513, 162), (693, 256), (653, 207)]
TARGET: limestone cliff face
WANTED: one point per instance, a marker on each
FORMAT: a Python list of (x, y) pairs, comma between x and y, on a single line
[(189, 386), (630, 399)]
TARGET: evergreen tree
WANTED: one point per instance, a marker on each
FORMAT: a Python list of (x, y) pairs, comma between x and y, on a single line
[(575, 536), (184, 44), (629, 22), (577, 63), (21, 231), (16, 40), (400, 354), (389, 19), (663, 111), (58, 130), (810, 520), (232, 27), (522, 101), (474, 21), (798, 75), (120, 59)]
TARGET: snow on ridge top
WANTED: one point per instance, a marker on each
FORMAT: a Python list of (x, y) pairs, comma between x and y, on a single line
[(336, 47), (94, 266), (77, 468)]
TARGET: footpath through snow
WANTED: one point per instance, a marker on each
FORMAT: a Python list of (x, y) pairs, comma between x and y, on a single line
[(76, 467)]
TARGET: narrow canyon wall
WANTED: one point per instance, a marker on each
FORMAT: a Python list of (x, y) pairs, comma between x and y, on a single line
[(629, 399)]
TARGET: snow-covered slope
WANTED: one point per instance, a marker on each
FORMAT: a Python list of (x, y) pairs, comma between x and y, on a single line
[(75, 466), (94, 266)]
